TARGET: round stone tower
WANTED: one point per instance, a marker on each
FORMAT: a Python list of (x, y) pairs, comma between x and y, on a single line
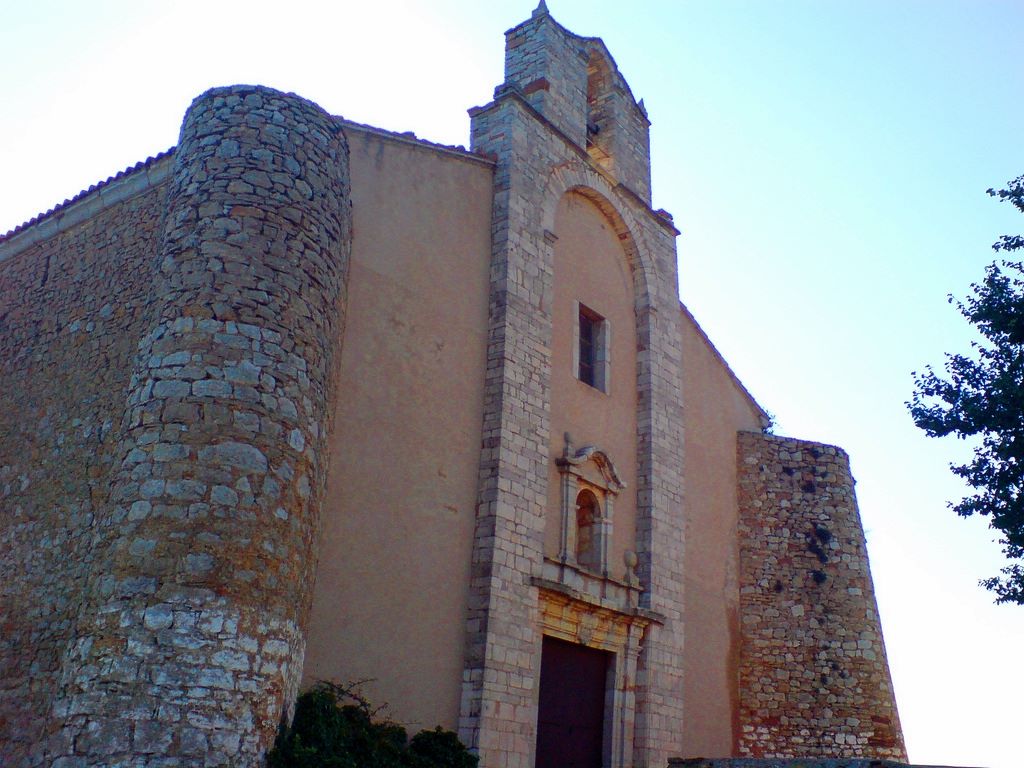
[(189, 644)]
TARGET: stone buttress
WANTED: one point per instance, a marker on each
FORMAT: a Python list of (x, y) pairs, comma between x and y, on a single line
[(189, 644), (537, 131), (814, 680)]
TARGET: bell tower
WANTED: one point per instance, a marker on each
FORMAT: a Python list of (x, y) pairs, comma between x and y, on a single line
[(564, 125), (574, 84)]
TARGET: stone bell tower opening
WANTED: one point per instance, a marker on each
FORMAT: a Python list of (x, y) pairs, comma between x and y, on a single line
[(600, 123)]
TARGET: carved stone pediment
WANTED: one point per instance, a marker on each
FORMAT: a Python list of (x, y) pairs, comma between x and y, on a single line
[(589, 484), (572, 460)]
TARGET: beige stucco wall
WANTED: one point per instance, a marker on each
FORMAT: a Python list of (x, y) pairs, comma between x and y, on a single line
[(714, 408), (390, 598), (591, 268)]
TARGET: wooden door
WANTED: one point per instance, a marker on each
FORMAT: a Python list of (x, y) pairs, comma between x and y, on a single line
[(570, 720)]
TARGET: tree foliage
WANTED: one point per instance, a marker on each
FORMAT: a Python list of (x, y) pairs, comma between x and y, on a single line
[(981, 396), (335, 727)]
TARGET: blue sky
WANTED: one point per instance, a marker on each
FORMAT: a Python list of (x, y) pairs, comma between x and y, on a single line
[(826, 161)]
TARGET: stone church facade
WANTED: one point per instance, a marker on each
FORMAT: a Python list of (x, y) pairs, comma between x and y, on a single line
[(305, 399)]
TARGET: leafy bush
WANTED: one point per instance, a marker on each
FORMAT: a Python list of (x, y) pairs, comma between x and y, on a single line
[(436, 748), (335, 727)]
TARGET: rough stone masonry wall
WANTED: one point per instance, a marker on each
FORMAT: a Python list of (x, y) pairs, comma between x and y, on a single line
[(549, 66), (814, 680), (72, 308), (623, 128), (189, 640)]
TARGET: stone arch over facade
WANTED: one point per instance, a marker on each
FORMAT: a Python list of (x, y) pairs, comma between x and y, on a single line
[(659, 452), (585, 181), (611, 279)]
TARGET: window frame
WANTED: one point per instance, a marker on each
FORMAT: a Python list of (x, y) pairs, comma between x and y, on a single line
[(591, 362)]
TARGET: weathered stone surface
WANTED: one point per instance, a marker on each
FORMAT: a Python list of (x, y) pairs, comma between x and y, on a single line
[(72, 309), (539, 142), (242, 456), (814, 681), (173, 570)]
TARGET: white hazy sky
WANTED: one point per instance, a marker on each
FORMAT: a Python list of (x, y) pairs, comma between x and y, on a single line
[(826, 161)]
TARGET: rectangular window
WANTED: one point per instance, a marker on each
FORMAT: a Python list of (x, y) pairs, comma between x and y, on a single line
[(591, 348), (588, 341)]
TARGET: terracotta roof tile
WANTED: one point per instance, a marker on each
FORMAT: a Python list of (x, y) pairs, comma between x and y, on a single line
[(142, 164)]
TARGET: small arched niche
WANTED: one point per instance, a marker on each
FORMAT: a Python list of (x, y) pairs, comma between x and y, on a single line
[(588, 519), (589, 485)]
